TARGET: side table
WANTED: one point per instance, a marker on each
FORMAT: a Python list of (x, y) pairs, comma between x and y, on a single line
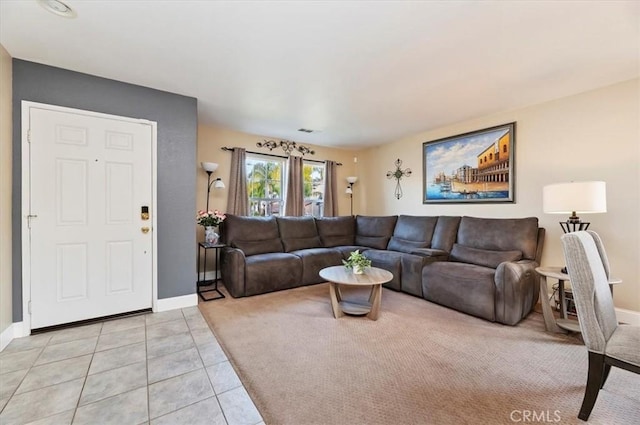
[(201, 271), (563, 324)]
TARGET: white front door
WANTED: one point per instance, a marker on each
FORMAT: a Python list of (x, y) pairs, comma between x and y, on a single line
[(90, 250)]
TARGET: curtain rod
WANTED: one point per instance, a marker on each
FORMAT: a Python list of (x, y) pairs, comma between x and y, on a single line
[(225, 148)]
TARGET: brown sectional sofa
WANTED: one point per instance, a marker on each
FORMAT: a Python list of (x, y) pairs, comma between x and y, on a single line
[(480, 266)]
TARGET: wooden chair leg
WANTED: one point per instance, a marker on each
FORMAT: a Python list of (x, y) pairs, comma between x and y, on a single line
[(607, 369), (594, 382)]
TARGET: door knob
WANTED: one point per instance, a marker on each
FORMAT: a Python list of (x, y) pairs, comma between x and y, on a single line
[(145, 230)]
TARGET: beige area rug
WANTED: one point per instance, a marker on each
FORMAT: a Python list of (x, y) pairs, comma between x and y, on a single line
[(420, 363)]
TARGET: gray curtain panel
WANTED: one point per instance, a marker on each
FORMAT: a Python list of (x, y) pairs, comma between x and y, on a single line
[(294, 205), (330, 190), (238, 200)]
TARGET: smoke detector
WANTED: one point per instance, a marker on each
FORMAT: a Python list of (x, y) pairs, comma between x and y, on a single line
[(58, 8)]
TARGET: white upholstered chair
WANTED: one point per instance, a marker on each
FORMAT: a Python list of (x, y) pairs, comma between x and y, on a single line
[(609, 344)]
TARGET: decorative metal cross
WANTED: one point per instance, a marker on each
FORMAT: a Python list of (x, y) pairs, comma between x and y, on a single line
[(398, 174)]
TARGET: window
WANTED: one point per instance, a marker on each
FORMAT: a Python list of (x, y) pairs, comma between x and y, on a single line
[(313, 186), (265, 185)]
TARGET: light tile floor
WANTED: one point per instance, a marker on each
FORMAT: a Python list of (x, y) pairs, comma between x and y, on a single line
[(159, 369)]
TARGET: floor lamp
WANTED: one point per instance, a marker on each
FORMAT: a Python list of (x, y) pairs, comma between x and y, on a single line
[(351, 180), (209, 168)]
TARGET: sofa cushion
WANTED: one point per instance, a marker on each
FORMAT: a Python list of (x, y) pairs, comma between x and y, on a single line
[(412, 232), (316, 259), (266, 272), (403, 245), (336, 231), (500, 234), (258, 247), (416, 230), (301, 243), (465, 287), (298, 233), (387, 260), (445, 233), (482, 257), (346, 250), (242, 228), (431, 252), (374, 232)]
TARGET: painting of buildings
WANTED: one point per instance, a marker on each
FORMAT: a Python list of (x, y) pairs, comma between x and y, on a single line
[(471, 167)]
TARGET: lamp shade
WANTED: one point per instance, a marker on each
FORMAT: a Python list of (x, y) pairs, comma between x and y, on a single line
[(579, 197), (352, 179), (349, 191), (209, 167), (218, 184)]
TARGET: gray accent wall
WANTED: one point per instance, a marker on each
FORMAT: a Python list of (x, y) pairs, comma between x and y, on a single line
[(176, 116)]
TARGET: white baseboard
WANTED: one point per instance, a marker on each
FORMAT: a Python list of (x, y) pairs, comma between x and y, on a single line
[(176, 302), (6, 337), (15, 330), (628, 316)]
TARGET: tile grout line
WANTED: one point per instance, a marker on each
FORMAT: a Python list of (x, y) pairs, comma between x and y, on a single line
[(224, 416), (86, 376), (232, 367), (208, 377), (13, 393), (182, 374)]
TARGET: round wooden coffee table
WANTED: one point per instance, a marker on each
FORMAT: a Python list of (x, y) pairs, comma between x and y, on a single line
[(340, 275)]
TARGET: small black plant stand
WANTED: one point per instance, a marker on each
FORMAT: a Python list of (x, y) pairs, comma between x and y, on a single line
[(201, 271)]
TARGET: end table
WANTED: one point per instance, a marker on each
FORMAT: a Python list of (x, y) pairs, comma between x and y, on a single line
[(563, 324), (208, 282)]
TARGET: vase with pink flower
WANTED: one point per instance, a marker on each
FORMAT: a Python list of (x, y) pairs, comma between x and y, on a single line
[(210, 220)]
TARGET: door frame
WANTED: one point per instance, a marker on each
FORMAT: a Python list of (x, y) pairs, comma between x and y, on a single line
[(25, 202)]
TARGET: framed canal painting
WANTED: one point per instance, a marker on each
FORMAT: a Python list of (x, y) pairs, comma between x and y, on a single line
[(476, 167)]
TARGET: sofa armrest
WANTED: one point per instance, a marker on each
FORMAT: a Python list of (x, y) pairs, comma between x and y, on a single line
[(516, 293), (431, 252), (233, 267)]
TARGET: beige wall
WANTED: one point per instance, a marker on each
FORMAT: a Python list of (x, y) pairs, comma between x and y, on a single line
[(210, 141), (591, 136), (5, 190)]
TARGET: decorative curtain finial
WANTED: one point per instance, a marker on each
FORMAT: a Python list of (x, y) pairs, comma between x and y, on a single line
[(287, 146)]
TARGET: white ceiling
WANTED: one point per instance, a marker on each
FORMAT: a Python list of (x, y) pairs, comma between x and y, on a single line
[(362, 72)]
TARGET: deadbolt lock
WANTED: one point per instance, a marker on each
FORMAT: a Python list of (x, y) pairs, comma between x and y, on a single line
[(145, 230), (144, 213)]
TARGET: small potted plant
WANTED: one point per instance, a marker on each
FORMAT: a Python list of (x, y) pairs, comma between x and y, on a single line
[(357, 262)]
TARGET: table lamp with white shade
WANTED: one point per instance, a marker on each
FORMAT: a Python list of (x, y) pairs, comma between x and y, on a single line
[(575, 198)]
